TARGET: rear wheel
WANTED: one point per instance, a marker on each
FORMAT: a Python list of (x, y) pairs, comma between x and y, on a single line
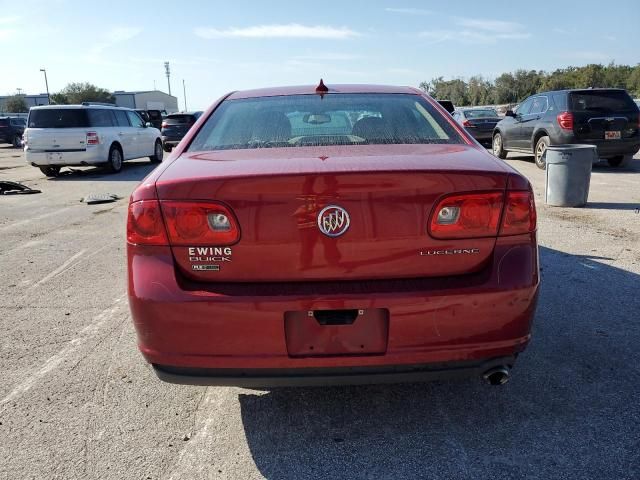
[(167, 148), (114, 164), (17, 141), (541, 152), (620, 161), (157, 153), (498, 149), (50, 171)]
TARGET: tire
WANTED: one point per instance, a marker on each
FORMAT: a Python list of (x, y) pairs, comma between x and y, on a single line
[(167, 148), (50, 171), (497, 146), (114, 163), (17, 141), (157, 152), (620, 161), (540, 151)]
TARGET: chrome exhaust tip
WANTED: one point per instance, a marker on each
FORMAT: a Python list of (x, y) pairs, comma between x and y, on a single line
[(497, 375)]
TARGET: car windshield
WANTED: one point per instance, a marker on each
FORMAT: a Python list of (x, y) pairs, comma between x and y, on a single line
[(314, 120), (601, 101), (58, 118), (484, 113)]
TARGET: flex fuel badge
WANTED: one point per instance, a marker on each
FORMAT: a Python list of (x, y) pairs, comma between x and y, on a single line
[(209, 258)]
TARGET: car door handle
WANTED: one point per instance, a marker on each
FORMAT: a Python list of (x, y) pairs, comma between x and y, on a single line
[(120, 133)]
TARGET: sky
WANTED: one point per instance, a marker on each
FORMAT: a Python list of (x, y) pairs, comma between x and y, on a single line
[(220, 46)]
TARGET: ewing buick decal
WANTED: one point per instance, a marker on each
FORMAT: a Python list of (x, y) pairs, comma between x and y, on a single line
[(209, 258)]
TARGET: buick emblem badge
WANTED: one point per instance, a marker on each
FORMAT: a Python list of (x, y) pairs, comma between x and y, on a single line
[(333, 221)]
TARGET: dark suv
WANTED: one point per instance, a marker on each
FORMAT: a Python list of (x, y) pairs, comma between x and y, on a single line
[(605, 117), (11, 130), (175, 126)]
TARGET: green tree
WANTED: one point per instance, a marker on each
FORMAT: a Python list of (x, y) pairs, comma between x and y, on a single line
[(82, 92), (16, 104), (633, 81), (59, 99)]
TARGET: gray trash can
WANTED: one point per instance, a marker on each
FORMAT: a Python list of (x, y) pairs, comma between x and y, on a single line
[(569, 174)]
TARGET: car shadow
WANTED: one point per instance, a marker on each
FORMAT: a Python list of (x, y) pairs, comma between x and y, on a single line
[(613, 206), (131, 170), (570, 410)]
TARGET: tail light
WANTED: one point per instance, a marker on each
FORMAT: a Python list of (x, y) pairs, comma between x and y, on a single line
[(476, 215), (466, 123), (565, 120), (164, 125), (467, 216), (519, 214), (92, 138), (144, 224), (200, 223), (151, 222)]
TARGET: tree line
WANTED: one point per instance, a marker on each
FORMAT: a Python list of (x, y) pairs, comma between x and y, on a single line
[(73, 93), (513, 87)]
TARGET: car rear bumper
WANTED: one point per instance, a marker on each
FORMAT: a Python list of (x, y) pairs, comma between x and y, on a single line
[(308, 377), (606, 148), (173, 141), (234, 334), (91, 156), (481, 135)]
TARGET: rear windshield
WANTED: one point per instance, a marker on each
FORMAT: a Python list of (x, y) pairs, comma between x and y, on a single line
[(611, 101), (18, 122), (58, 118), (484, 113), (312, 120), (154, 114), (179, 119)]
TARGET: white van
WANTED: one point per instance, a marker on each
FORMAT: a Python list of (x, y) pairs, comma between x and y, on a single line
[(87, 134)]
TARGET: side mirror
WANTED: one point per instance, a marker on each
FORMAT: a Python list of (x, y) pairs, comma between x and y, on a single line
[(509, 113), (148, 124)]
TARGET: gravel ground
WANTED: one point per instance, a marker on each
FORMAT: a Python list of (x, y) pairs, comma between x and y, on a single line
[(77, 400)]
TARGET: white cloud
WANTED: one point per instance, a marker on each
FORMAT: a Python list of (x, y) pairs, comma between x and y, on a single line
[(470, 37), (291, 30), (410, 11), (331, 56), (114, 36), (10, 19), (475, 30), (497, 26)]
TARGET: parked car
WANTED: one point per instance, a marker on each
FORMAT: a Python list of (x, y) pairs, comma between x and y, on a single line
[(87, 134), (175, 126), (11, 130), (479, 122), (267, 255), (447, 105), (604, 117), (154, 117)]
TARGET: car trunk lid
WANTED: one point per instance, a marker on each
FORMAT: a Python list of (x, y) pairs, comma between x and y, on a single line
[(388, 192)]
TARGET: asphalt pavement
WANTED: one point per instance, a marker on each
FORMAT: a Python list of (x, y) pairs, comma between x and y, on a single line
[(77, 401)]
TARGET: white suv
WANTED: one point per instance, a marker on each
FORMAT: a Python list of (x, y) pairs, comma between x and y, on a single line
[(87, 134)]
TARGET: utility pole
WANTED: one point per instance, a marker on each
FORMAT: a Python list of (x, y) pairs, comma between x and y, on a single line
[(167, 72), (184, 91), (46, 82), (19, 91), (154, 85)]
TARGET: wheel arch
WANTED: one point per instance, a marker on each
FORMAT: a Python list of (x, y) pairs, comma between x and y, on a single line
[(537, 135)]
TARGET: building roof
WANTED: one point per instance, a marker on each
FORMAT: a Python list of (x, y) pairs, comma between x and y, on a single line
[(311, 89)]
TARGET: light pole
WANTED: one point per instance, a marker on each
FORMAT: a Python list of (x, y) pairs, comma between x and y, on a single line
[(46, 82), (167, 71), (184, 91)]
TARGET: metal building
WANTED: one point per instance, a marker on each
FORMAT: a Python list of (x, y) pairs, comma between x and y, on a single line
[(147, 100)]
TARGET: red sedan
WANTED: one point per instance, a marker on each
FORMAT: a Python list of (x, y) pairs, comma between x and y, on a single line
[(314, 235)]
